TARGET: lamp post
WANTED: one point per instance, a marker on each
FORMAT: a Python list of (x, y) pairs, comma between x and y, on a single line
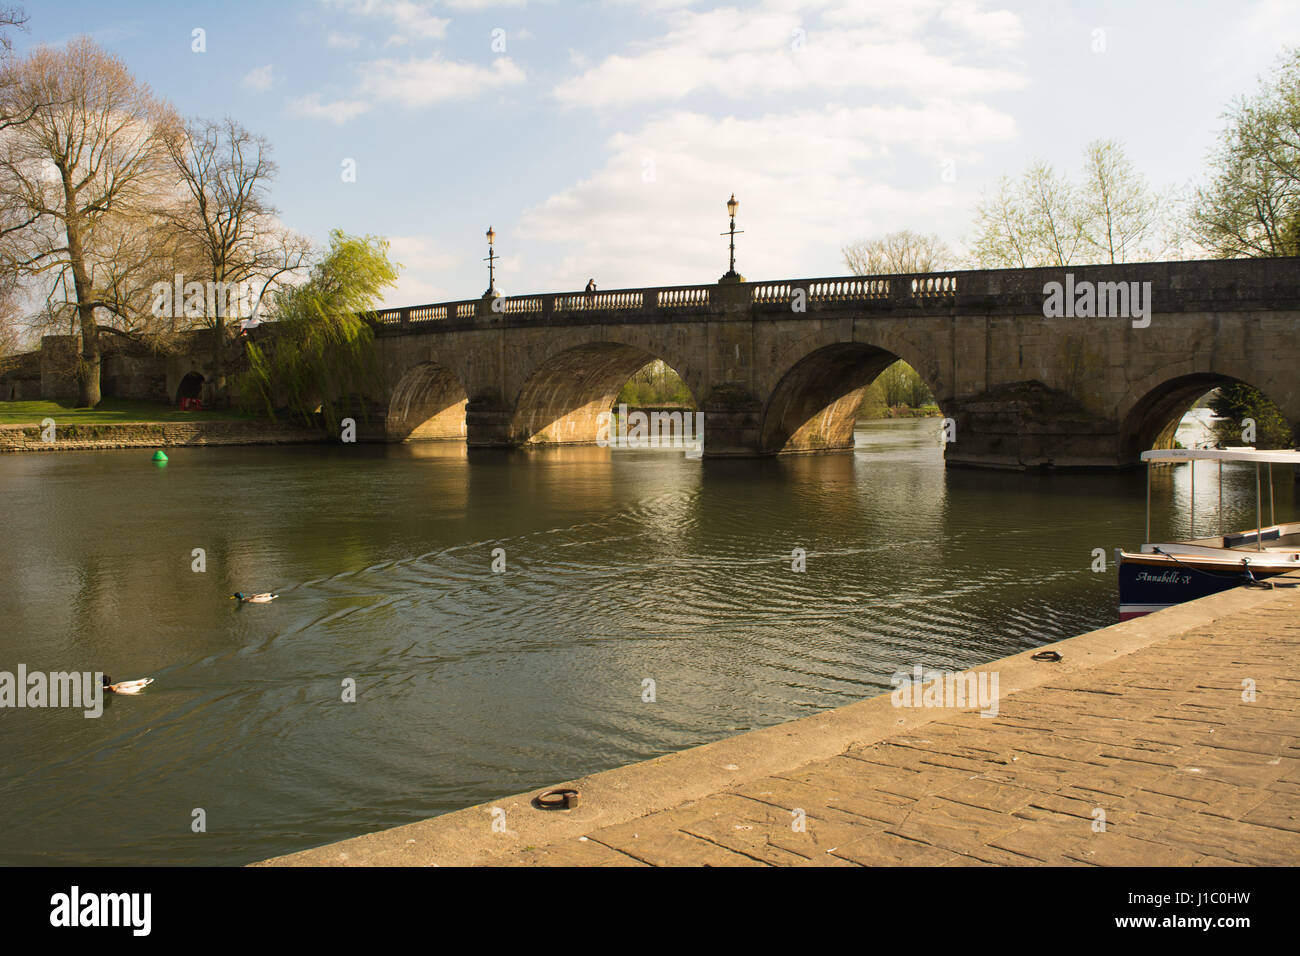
[(490, 259), (732, 275)]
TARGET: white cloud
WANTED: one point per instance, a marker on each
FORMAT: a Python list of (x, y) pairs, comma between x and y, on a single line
[(411, 19), (994, 28), (259, 78), (423, 261), (338, 111), (343, 41), (476, 5), (773, 50), (422, 81), (808, 182)]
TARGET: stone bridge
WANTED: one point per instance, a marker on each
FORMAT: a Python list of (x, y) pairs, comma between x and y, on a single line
[(780, 367)]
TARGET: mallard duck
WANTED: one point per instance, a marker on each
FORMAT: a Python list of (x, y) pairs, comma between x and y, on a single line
[(266, 597), (126, 686)]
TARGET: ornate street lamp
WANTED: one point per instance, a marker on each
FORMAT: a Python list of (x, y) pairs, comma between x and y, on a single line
[(732, 275), (491, 261)]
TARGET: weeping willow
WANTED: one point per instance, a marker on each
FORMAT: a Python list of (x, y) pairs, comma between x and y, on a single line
[(320, 356)]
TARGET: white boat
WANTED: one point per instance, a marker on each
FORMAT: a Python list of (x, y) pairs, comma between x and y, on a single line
[(1167, 573)]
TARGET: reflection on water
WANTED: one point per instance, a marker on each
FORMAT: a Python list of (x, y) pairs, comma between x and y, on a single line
[(620, 565)]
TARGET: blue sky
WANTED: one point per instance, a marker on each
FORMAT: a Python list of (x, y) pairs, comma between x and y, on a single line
[(603, 139)]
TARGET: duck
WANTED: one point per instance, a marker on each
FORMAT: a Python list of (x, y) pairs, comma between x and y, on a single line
[(266, 597), (126, 686)]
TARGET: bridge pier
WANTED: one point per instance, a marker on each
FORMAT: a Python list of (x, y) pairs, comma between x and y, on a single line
[(487, 423), (732, 424), (1026, 426)]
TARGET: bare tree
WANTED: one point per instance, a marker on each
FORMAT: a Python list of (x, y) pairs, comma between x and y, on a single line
[(897, 253), (1055, 224), (1034, 221), (10, 334), (1044, 219), (84, 169), (1002, 239), (227, 220), (1121, 215), (10, 16)]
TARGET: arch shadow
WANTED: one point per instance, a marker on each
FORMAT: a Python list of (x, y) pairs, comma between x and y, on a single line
[(427, 404), (562, 400), (815, 404), (1153, 418)]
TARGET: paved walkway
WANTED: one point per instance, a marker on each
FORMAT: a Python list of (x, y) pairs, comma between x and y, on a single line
[(1142, 726)]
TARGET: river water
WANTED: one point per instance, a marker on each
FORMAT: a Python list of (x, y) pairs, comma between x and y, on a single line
[(620, 567)]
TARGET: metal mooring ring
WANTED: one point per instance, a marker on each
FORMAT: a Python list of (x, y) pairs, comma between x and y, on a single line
[(1046, 656), (559, 799)]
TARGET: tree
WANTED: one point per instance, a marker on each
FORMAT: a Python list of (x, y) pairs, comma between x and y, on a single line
[(1235, 403), (227, 220), (1044, 219), (897, 253), (1251, 206), (1120, 214), (902, 385), (655, 385), (320, 350), (10, 336), (1033, 221), (80, 180), (10, 16)]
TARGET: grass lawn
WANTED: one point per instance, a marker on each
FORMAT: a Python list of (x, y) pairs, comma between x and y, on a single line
[(109, 412)]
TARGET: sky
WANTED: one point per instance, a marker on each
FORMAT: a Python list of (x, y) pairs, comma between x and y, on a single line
[(603, 139)]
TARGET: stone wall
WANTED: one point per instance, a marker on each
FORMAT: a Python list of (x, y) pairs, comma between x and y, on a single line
[(20, 438), (128, 370), (20, 378)]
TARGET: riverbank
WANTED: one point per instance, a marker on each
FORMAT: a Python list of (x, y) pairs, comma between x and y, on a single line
[(85, 437), (1172, 739)]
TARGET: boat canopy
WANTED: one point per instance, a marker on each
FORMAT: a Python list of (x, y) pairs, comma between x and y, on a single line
[(1280, 456)]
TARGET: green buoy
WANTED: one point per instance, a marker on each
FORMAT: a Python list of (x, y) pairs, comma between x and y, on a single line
[(159, 455)]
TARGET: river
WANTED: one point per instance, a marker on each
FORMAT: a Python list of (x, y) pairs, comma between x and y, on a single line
[(621, 567)]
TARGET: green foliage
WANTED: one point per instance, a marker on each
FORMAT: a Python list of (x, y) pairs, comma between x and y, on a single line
[(1240, 401), (1291, 234), (1251, 206), (873, 404), (899, 386), (321, 351), (904, 386), (655, 385)]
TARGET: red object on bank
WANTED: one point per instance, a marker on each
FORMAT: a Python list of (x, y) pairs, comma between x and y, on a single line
[(191, 405)]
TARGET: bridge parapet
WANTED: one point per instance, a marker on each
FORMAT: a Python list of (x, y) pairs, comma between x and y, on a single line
[(1176, 286)]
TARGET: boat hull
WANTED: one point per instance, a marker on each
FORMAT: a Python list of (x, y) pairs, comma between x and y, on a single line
[(1153, 582)]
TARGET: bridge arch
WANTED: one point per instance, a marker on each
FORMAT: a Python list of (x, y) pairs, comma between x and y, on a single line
[(562, 400), (1150, 419), (427, 404), (814, 405)]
